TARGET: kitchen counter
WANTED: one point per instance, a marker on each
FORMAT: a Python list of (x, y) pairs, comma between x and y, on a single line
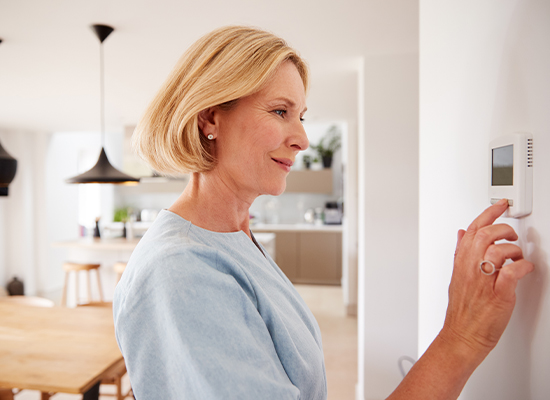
[(295, 228), (122, 244), (99, 244)]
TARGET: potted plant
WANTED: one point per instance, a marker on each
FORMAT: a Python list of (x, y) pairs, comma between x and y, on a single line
[(328, 145), (307, 161), (316, 164), (121, 215)]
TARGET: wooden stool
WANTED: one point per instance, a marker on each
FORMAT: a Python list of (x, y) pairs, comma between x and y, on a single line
[(77, 267), (119, 268)]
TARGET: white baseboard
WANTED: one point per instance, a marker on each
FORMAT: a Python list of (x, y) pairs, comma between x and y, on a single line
[(358, 392)]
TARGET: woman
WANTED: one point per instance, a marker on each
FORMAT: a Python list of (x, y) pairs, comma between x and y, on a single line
[(202, 311)]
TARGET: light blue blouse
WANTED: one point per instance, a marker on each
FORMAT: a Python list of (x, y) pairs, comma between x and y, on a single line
[(205, 315)]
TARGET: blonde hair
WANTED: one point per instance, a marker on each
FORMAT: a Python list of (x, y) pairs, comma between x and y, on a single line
[(220, 68)]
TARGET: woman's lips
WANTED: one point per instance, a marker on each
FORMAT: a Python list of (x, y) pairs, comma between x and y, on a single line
[(284, 163)]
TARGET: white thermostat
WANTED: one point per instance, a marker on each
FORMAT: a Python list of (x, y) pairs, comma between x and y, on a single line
[(511, 173)]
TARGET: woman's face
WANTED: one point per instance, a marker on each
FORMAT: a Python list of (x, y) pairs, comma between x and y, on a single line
[(257, 140)]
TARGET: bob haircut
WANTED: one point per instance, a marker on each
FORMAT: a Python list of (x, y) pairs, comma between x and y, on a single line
[(220, 68)]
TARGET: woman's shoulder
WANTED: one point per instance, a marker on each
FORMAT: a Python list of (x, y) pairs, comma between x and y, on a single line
[(167, 245), (169, 253)]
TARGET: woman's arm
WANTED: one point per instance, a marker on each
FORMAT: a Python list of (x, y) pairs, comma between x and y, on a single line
[(480, 307)]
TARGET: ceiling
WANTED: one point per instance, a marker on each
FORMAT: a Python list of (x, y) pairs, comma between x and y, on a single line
[(49, 57)]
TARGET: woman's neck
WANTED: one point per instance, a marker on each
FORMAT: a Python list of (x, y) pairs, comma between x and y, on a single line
[(210, 203)]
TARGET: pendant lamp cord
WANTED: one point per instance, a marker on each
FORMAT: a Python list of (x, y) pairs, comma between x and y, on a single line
[(102, 95)]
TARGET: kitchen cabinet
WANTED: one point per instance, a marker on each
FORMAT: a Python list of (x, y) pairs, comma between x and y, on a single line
[(309, 255), (320, 258), (286, 253), (309, 181)]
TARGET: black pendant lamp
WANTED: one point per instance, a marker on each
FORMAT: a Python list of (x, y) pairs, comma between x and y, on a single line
[(8, 166), (103, 171)]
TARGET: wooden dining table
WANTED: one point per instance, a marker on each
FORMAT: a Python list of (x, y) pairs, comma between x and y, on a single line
[(56, 349)]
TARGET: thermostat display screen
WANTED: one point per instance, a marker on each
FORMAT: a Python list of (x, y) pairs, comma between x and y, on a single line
[(503, 166)]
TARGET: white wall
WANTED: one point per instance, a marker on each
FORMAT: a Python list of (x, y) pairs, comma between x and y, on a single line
[(3, 219), (20, 210), (485, 72), (4, 203), (388, 198), (389, 242)]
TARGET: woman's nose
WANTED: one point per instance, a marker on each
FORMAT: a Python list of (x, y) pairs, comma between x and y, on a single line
[(300, 141)]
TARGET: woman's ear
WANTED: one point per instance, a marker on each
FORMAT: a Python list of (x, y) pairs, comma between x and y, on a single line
[(207, 123)]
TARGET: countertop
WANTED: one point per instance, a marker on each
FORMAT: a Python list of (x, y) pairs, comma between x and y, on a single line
[(295, 228), (99, 244), (125, 244)]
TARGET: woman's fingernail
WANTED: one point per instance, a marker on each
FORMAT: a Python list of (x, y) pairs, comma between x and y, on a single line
[(501, 202)]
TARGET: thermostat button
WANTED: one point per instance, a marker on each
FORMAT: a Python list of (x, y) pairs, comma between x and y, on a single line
[(510, 201)]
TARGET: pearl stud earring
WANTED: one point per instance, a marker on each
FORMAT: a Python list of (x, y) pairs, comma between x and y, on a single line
[(210, 137)]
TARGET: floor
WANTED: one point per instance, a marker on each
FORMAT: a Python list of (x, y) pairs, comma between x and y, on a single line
[(339, 334), (339, 344)]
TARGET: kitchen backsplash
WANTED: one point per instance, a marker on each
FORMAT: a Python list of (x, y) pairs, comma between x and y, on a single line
[(287, 208)]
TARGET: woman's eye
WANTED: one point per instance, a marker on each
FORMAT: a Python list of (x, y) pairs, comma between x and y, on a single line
[(280, 112), (302, 120)]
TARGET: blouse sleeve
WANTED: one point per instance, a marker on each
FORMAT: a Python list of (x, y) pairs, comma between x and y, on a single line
[(188, 329)]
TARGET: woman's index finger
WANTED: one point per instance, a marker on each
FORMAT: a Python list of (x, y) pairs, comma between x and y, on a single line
[(489, 215)]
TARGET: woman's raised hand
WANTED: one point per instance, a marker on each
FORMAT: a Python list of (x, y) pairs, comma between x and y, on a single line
[(479, 309), (481, 305)]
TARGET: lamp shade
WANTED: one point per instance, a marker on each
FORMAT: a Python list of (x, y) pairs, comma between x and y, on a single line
[(104, 172), (8, 167)]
